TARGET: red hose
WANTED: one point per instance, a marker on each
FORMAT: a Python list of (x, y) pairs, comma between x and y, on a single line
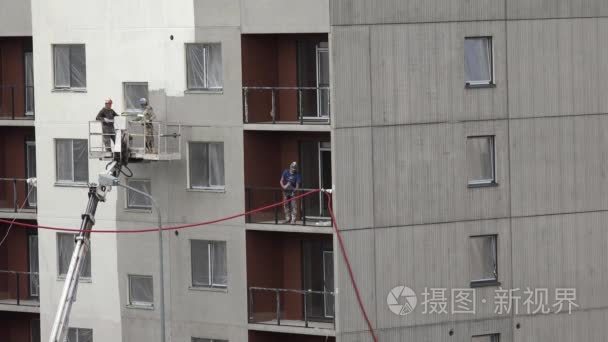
[(350, 269), (148, 230)]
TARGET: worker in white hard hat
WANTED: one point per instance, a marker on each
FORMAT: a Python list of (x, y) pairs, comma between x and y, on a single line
[(106, 116), (290, 183), (147, 117)]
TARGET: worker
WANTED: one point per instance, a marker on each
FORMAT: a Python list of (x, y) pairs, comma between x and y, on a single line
[(106, 116), (290, 183), (147, 117)]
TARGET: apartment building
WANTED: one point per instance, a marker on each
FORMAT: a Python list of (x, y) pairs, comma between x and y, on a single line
[(19, 286), (463, 142), (468, 137)]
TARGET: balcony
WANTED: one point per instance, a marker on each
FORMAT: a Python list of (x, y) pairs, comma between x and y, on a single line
[(10, 109), (292, 308), (312, 210), (267, 155), (17, 198), (290, 279), (19, 291), (286, 82)]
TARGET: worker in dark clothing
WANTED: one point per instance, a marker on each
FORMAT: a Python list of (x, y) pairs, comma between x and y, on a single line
[(290, 182), (106, 116)]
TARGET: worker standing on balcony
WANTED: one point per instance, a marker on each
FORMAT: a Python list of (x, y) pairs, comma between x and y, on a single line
[(106, 116), (147, 117), (290, 182)]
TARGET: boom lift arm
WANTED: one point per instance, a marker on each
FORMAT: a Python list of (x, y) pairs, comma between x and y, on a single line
[(97, 193)]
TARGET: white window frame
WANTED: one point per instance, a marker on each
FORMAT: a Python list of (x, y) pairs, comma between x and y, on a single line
[(492, 80), (216, 188), (134, 303), (128, 194), (493, 280), (206, 86), (29, 67), (124, 96), (55, 86), (492, 180), (210, 258), (73, 181), (77, 333), (88, 258)]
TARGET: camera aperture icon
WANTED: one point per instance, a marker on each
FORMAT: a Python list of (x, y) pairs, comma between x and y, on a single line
[(401, 300)]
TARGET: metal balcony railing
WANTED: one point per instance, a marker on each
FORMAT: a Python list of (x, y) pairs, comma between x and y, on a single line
[(311, 210), (9, 108), (19, 288), (13, 194), (291, 308), (286, 105)]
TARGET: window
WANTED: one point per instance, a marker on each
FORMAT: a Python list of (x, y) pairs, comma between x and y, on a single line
[(204, 64), (483, 259), (65, 248), (486, 338), (70, 66), (133, 91), (35, 330), (30, 163), (206, 165), (79, 335), (141, 291), (29, 83), (481, 160), (209, 267), (72, 160), (478, 61), (136, 200), (197, 339), (34, 266)]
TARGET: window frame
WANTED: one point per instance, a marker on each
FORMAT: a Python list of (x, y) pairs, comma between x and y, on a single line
[(70, 46), (29, 158), (124, 96), (138, 304), (73, 181), (211, 188), (483, 83), (210, 260), (204, 339), (128, 191), (476, 183), (486, 281), (206, 87), (77, 333), (88, 258), (493, 337)]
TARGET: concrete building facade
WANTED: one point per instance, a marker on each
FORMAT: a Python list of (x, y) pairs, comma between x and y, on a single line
[(463, 142)]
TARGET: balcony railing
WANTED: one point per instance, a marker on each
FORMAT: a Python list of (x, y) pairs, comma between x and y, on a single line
[(291, 308), (14, 195), (303, 105), (9, 109), (19, 288), (310, 210), (144, 141)]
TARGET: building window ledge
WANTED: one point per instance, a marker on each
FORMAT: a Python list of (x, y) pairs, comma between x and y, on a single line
[(140, 307), (69, 90), (485, 283), (72, 184), (204, 91), (209, 289), (482, 185), (216, 190)]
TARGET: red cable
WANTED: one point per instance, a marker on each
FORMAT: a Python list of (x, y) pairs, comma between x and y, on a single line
[(147, 230), (349, 268)]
